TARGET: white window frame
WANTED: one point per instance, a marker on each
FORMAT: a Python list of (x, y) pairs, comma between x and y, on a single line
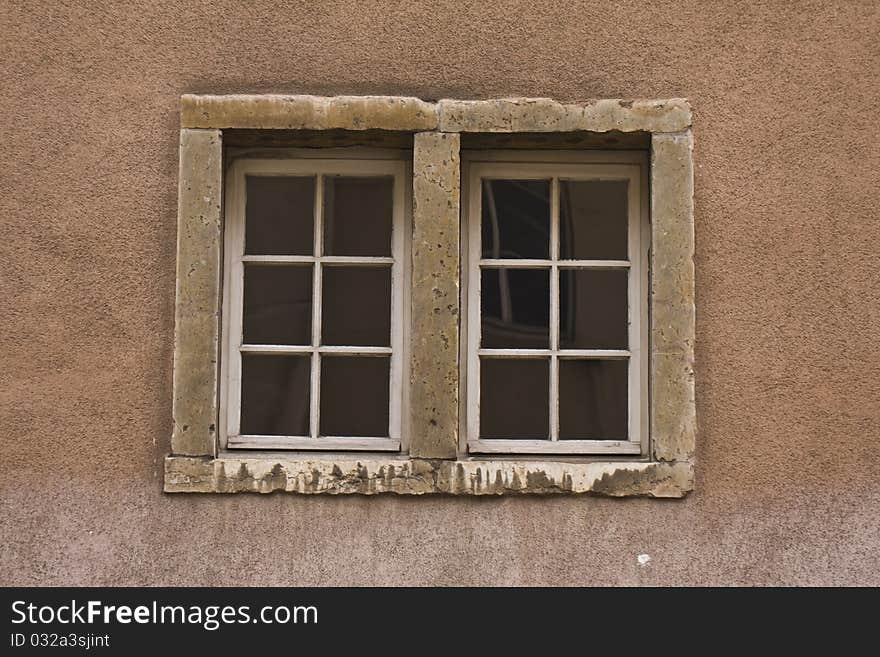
[(596, 165), (302, 162)]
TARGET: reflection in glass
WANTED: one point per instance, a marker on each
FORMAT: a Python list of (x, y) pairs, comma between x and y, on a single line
[(277, 304), (593, 309), (593, 219), (515, 308), (357, 306), (280, 215), (357, 216), (593, 399), (515, 221), (354, 396), (275, 395), (514, 398)]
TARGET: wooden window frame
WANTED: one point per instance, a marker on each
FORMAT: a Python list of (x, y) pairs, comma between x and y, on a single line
[(478, 165), (355, 163)]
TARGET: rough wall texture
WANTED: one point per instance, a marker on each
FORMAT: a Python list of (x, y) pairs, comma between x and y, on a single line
[(788, 292)]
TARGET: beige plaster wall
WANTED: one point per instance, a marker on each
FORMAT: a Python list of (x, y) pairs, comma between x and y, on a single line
[(788, 290)]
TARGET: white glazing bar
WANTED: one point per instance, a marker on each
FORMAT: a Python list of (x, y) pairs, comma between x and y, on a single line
[(275, 349), (515, 353), (315, 393), (597, 354), (594, 264), (307, 349), (554, 309), (374, 261), (516, 263), (279, 259), (354, 350), (533, 263)]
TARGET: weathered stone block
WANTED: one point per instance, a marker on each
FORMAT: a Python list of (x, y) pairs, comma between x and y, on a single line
[(308, 112), (197, 310), (435, 296), (672, 244), (371, 476), (546, 115), (673, 411), (673, 408)]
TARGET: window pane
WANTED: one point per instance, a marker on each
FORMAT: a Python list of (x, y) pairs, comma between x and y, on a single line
[(514, 398), (593, 219), (357, 216), (593, 399), (593, 309), (356, 306), (354, 396), (275, 395), (515, 307), (515, 220), (280, 215), (277, 304)]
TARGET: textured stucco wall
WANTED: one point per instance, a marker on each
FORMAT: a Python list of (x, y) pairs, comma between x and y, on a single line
[(788, 290)]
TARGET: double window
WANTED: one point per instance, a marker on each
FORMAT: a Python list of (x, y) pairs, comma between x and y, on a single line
[(382, 294), (554, 300)]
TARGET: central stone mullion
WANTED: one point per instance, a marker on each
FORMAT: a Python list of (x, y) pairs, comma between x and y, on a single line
[(434, 404)]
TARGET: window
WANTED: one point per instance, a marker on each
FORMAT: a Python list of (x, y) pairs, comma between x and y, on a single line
[(388, 295), (314, 324), (556, 303)]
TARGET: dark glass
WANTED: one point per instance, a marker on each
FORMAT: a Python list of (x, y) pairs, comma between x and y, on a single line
[(275, 395), (357, 306), (527, 325), (277, 304), (515, 221), (280, 215), (592, 219), (357, 216), (593, 399), (593, 309), (514, 398), (354, 395)]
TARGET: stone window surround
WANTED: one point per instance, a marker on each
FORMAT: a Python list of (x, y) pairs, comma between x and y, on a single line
[(433, 464)]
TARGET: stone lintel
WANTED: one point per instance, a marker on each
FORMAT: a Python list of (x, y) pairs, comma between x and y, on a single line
[(374, 475), (435, 296), (406, 114), (197, 308), (299, 112), (546, 115)]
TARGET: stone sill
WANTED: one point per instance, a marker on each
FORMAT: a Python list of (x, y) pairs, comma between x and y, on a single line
[(377, 474)]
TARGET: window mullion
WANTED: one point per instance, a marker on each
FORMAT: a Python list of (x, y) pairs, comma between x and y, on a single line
[(315, 395)]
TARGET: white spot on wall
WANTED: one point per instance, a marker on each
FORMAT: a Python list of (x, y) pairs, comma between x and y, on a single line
[(643, 559)]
